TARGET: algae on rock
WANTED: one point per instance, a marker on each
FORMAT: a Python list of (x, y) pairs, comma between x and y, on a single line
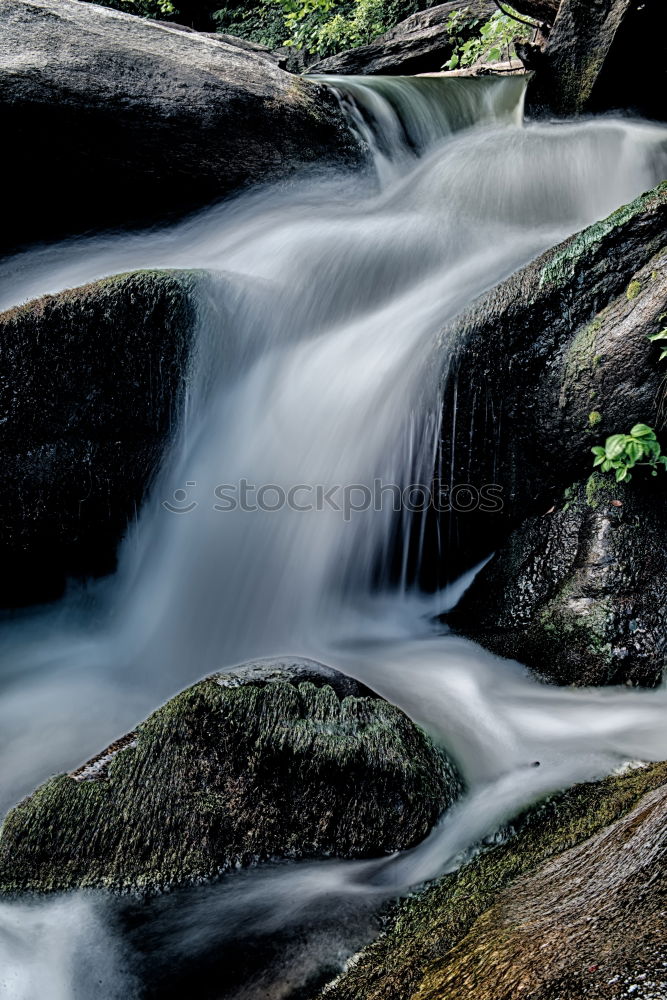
[(472, 934), (273, 760)]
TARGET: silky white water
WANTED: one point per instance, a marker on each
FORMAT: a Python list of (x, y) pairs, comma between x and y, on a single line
[(318, 365)]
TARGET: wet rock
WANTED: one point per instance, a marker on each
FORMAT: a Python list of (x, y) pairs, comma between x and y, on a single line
[(419, 44), (570, 364), (90, 388), (281, 759), (580, 594), (139, 121), (602, 55), (570, 906)]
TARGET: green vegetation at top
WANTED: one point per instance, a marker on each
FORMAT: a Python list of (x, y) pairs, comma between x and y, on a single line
[(479, 40), (325, 27)]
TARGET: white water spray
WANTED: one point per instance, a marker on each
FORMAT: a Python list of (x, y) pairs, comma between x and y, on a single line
[(318, 364)]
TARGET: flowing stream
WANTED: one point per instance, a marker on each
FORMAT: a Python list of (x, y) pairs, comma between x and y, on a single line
[(317, 365)]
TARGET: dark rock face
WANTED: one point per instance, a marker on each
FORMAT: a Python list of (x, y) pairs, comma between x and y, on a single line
[(571, 364), (417, 45), (601, 55), (280, 759), (570, 907), (90, 387), (580, 595), (112, 120)]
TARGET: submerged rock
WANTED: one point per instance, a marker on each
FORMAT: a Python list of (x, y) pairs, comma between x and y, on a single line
[(570, 906), (600, 56), (91, 385), (420, 44), (580, 594), (276, 759), (570, 364), (114, 120)]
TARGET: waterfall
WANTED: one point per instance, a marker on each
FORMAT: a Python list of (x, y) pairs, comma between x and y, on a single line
[(317, 374)]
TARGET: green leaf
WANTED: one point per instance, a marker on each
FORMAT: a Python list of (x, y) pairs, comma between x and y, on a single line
[(598, 450), (621, 474), (615, 445), (660, 335), (598, 461), (642, 431), (635, 450), (607, 466), (494, 55)]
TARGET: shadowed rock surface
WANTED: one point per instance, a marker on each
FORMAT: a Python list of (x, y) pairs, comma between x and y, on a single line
[(601, 55), (91, 385), (419, 44), (580, 595), (570, 365), (571, 906), (280, 759), (135, 121)]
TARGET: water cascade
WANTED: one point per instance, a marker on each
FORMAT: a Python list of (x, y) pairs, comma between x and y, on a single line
[(318, 366)]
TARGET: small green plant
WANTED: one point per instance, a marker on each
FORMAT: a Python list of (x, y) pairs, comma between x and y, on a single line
[(594, 418), (660, 335), (622, 452), (489, 41)]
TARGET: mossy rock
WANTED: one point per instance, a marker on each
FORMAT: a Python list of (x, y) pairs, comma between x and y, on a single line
[(572, 900), (91, 387), (580, 594), (276, 759), (568, 342)]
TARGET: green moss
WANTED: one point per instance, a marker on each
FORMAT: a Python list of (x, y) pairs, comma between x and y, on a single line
[(594, 418), (423, 929), (601, 489), (633, 290), (564, 261), (222, 775)]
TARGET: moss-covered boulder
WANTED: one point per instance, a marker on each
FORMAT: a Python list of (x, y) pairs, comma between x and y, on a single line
[(570, 906), (580, 594), (549, 363), (275, 759), (90, 386)]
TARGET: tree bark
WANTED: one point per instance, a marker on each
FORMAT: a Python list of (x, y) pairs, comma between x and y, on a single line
[(541, 10)]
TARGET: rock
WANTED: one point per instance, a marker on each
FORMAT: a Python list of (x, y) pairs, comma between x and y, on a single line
[(571, 906), (571, 364), (580, 595), (600, 56), (417, 45), (277, 759), (84, 417), (113, 120), (543, 11)]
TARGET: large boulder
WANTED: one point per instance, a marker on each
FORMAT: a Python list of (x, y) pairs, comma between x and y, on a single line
[(84, 420), (420, 44), (580, 594), (571, 906), (274, 759), (553, 360), (113, 120), (601, 55)]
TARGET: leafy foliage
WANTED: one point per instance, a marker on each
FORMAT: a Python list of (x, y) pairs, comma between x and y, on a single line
[(623, 452), (660, 335), (491, 40)]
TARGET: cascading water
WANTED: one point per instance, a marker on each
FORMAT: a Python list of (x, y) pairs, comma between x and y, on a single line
[(318, 366)]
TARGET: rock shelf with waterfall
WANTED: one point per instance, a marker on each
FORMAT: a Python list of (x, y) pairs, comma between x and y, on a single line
[(331, 666)]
